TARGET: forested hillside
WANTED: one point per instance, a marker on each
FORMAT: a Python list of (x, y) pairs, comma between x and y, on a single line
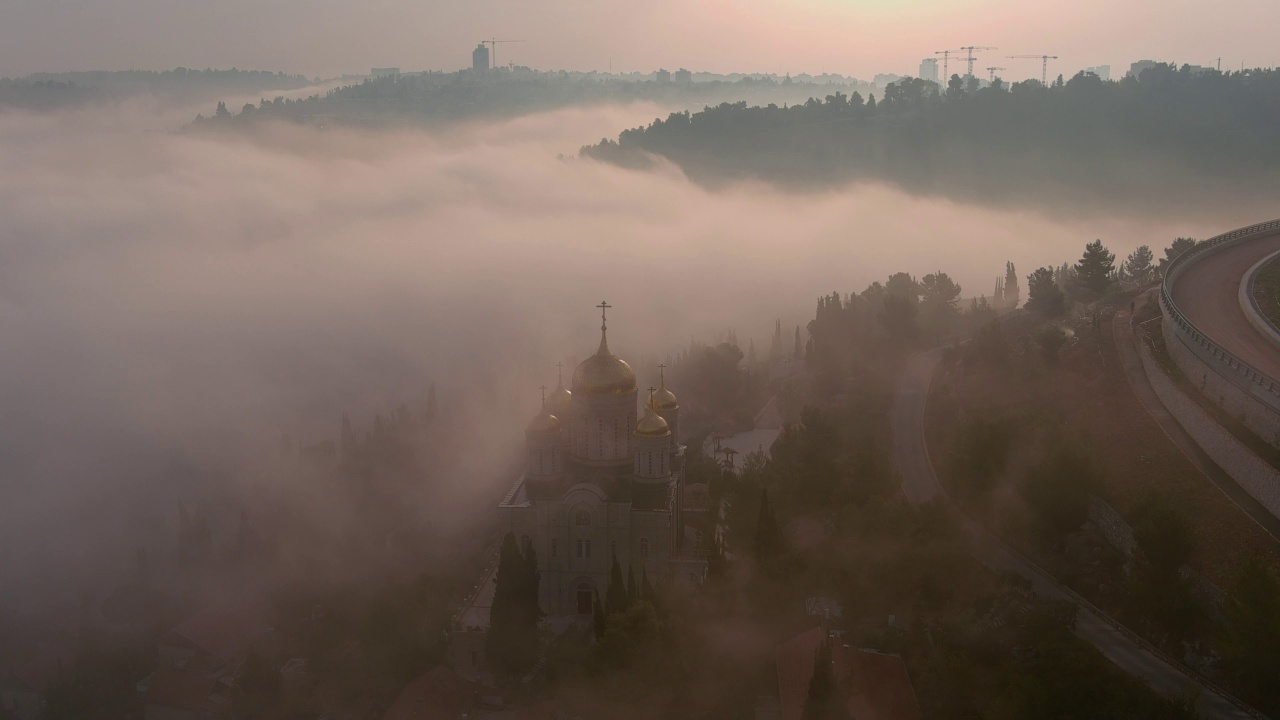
[(1084, 138), (437, 97)]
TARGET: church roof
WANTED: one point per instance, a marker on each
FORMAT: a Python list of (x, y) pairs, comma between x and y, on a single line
[(604, 373), (652, 424)]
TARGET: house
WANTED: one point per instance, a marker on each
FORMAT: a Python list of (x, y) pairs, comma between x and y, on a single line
[(878, 686), (438, 694), (221, 635)]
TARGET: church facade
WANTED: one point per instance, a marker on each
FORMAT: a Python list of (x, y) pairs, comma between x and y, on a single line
[(602, 481)]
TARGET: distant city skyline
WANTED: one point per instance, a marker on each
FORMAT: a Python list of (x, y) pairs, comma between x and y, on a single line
[(859, 38)]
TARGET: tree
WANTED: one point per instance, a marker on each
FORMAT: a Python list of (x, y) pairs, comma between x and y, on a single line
[(615, 597), (511, 647), (1095, 267), (1012, 293), (1253, 633), (1164, 535), (901, 305), (938, 296), (633, 591), (822, 686), (1050, 339), (768, 536), (599, 623), (798, 351), (222, 111), (1044, 297), (1138, 264), (1058, 490), (1171, 253)]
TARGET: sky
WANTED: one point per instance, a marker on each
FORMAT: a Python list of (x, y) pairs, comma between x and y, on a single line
[(853, 37)]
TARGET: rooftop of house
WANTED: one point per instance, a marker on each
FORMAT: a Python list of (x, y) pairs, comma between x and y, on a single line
[(225, 630), (879, 687), (438, 694)]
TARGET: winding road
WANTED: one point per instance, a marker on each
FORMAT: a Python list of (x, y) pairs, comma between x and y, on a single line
[(1122, 647), (1207, 293)]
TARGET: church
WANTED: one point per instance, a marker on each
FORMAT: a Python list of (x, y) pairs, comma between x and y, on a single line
[(601, 480)]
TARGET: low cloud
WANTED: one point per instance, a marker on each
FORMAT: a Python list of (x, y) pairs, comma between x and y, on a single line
[(171, 302)]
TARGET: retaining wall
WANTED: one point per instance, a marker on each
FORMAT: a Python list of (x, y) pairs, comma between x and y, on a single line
[(1249, 471), (1244, 391)]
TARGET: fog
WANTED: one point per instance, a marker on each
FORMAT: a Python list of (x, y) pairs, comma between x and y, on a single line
[(171, 302)]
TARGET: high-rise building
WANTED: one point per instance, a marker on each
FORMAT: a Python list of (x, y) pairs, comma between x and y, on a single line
[(929, 69), (1102, 71), (662, 76), (480, 58), (1136, 69)]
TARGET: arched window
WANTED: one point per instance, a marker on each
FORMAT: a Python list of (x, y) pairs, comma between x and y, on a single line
[(554, 547), (584, 599), (584, 549), (644, 548), (582, 517)]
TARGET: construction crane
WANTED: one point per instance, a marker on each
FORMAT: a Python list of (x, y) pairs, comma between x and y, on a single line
[(946, 58), (1044, 65), (493, 53), (993, 70), (969, 49)]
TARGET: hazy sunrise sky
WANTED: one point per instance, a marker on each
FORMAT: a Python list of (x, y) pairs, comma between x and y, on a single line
[(854, 37)]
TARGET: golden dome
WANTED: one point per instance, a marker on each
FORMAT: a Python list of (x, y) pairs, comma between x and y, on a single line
[(604, 374), (664, 399), (544, 423), (561, 402), (652, 424)]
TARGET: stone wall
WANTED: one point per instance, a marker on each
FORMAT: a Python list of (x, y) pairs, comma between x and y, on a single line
[(1112, 526), (1254, 413), (1249, 471)]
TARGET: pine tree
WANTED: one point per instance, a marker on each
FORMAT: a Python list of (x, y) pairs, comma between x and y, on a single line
[(1043, 294), (1138, 264), (822, 685), (1095, 267)]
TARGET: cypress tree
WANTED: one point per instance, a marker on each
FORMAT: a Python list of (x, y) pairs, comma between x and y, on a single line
[(615, 597), (646, 588), (822, 685), (768, 537), (511, 646), (599, 623), (632, 590)]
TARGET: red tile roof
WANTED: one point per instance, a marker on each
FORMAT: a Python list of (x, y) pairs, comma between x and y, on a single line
[(437, 695), (880, 688), (226, 630)]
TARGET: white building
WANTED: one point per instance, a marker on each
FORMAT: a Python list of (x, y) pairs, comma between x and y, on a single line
[(599, 482), (1102, 71), (929, 69)]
